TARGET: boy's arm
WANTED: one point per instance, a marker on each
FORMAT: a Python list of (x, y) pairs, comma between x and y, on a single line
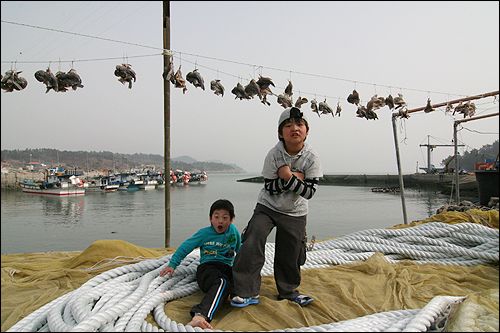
[(305, 188), (186, 248)]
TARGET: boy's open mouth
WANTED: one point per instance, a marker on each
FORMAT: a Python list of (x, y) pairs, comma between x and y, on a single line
[(219, 227)]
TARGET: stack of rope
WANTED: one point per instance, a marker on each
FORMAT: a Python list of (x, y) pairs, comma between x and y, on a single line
[(121, 298)]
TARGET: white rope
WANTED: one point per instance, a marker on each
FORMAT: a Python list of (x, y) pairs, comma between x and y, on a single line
[(121, 298)]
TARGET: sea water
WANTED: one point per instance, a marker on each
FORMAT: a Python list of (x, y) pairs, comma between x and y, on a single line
[(44, 223)]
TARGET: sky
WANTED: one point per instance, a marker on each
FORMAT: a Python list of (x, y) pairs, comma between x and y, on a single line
[(440, 51)]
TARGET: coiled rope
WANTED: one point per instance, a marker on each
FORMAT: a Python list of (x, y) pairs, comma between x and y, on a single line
[(121, 298)]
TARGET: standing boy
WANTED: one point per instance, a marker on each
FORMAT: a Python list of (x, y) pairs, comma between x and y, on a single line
[(218, 244), (291, 173)]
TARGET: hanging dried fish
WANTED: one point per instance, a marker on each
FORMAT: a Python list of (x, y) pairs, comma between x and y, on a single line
[(403, 113), (68, 80), (300, 101), (353, 98), (428, 107), (47, 78), (217, 87), (370, 114), (125, 74), (449, 107), (325, 108), (252, 89), (178, 81), (195, 78), (361, 112), (264, 83), (168, 72), (389, 101), (288, 89), (239, 91), (399, 101), (471, 109), (11, 81), (285, 101), (375, 103), (314, 106), (339, 109)]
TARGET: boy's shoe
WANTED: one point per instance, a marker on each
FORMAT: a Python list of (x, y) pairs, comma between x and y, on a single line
[(244, 301), (303, 300)]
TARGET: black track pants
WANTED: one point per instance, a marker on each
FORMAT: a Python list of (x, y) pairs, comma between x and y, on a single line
[(216, 280)]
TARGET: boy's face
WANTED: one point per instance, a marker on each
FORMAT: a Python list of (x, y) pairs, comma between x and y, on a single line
[(294, 132), (220, 220)]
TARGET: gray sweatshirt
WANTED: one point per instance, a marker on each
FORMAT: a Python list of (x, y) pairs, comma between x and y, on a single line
[(290, 198)]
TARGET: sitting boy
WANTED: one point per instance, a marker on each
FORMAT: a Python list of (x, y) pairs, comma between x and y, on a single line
[(218, 245)]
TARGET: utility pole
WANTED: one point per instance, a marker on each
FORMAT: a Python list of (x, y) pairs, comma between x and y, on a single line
[(166, 117)]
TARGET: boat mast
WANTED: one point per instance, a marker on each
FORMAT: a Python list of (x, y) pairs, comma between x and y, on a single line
[(166, 117)]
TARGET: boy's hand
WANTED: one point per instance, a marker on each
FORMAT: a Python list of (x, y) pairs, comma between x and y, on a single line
[(167, 271), (285, 173)]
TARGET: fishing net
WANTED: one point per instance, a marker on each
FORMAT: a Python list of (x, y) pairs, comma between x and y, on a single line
[(342, 292)]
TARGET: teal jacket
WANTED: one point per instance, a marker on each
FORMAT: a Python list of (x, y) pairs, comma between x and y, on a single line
[(213, 246)]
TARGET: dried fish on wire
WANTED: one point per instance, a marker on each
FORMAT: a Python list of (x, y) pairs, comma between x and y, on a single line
[(449, 107), (47, 78), (125, 74), (217, 87), (300, 101), (195, 78), (252, 89), (288, 89), (339, 109), (239, 91), (428, 107), (325, 108), (399, 101), (375, 103), (314, 106), (389, 101), (285, 101), (264, 83), (467, 109), (11, 81), (353, 98), (68, 80), (370, 114), (361, 112), (178, 81)]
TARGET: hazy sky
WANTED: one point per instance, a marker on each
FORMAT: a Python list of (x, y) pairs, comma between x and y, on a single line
[(437, 50)]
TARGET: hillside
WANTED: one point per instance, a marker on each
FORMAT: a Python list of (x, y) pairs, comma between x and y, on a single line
[(104, 160), (467, 160)]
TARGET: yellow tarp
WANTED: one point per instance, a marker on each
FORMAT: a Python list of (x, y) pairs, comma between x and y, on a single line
[(343, 292)]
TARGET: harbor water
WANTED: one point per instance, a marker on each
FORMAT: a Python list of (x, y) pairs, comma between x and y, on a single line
[(44, 223)]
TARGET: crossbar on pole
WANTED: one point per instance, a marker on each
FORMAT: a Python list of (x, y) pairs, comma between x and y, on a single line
[(456, 101)]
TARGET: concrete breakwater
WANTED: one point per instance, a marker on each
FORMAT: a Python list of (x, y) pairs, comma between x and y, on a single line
[(441, 182)]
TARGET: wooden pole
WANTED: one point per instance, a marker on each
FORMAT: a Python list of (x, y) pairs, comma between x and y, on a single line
[(166, 117)]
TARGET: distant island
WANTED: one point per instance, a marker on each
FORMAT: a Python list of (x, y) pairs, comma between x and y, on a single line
[(43, 158)]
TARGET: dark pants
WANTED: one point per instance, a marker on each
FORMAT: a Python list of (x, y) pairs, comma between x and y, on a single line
[(290, 253), (215, 279)]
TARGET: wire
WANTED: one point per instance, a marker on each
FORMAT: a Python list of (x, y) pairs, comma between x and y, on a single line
[(217, 59)]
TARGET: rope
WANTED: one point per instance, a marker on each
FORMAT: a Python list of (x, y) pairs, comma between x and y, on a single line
[(121, 298)]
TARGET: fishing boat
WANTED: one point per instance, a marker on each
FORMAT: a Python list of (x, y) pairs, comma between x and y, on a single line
[(146, 182), (198, 178), (129, 181), (56, 182), (103, 184)]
